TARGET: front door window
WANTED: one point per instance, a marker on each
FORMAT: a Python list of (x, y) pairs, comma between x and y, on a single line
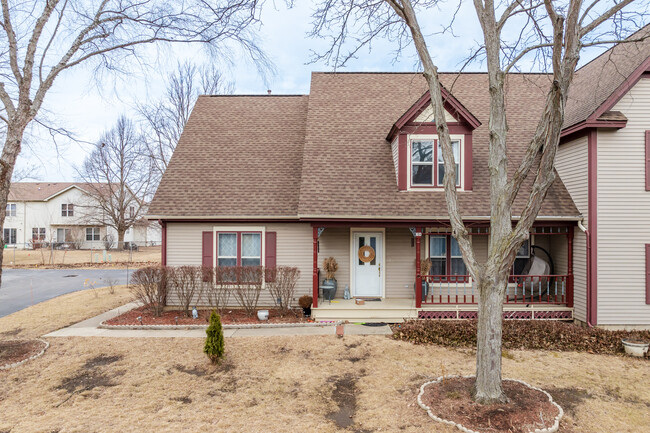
[(368, 264)]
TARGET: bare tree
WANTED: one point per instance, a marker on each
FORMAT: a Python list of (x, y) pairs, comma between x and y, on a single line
[(41, 40), (28, 172), (117, 180), (555, 32), (165, 119)]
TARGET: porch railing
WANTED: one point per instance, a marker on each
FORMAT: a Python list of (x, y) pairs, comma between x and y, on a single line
[(522, 289)]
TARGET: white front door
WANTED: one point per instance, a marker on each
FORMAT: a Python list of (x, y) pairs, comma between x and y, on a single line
[(368, 263)]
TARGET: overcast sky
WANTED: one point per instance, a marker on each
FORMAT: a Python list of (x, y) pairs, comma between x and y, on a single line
[(86, 107)]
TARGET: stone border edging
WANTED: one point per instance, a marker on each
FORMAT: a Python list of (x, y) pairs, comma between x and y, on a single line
[(16, 364), (552, 429), (103, 325)]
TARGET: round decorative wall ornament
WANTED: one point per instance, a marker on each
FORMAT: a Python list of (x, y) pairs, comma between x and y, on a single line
[(366, 253)]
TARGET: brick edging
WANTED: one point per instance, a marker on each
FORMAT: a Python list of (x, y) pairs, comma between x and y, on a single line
[(552, 429), (16, 364), (103, 325)]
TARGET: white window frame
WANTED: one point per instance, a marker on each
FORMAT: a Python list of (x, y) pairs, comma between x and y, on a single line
[(431, 163), (11, 209), (67, 209), (40, 231), (444, 257), (434, 186), (240, 253), (217, 247), (11, 231), (94, 231)]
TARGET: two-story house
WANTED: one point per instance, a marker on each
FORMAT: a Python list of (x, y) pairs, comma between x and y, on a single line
[(353, 171), (41, 213)]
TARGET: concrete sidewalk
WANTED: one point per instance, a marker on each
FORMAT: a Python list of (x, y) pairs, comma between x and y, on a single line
[(89, 328)]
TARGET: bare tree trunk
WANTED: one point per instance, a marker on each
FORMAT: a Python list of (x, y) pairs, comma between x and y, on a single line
[(487, 389), (10, 151), (120, 238)]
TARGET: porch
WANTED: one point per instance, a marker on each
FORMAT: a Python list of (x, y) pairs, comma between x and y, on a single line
[(393, 258)]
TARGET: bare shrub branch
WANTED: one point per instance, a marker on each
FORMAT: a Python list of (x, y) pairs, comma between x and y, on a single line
[(281, 283), (149, 286)]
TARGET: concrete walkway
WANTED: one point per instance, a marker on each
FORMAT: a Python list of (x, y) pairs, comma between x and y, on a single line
[(89, 328)]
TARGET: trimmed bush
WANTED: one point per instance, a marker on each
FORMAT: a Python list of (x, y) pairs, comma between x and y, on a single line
[(214, 344), (519, 335)]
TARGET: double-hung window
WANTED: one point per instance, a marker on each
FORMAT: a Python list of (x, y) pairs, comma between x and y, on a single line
[(9, 236), (445, 256), (67, 210), (427, 163), (92, 233), (239, 249), (38, 233), (11, 209)]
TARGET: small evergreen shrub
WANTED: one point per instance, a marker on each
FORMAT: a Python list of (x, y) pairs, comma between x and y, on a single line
[(214, 344)]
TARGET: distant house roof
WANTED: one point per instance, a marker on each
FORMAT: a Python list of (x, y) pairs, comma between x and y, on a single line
[(43, 191), (325, 155)]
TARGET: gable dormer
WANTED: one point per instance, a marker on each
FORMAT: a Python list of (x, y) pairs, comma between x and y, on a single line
[(416, 151)]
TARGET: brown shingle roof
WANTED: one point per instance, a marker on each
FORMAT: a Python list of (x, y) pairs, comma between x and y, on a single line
[(596, 81), (347, 163), (39, 191), (239, 156)]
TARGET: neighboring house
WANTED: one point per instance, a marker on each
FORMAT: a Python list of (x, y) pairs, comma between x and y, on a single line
[(42, 213), (291, 180)]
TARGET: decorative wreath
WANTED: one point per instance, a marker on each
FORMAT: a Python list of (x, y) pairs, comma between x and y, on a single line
[(366, 253)]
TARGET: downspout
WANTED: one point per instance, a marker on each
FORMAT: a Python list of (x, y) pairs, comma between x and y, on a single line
[(588, 239)]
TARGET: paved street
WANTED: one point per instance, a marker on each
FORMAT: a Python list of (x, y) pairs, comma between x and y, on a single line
[(24, 287)]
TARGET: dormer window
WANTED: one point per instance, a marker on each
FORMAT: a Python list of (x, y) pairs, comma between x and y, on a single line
[(424, 172)]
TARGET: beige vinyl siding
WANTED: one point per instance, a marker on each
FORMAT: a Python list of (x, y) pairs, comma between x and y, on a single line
[(480, 245), (400, 263), (294, 248), (335, 242), (624, 214), (571, 164), (395, 151)]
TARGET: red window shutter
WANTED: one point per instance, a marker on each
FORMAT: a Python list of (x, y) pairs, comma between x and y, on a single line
[(647, 160), (270, 254), (647, 274), (402, 163), (207, 249)]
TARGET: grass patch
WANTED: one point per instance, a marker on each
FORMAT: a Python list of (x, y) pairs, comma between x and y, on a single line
[(47, 258), (62, 311), (519, 335), (111, 384)]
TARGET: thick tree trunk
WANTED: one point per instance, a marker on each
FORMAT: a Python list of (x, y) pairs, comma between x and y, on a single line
[(10, 151), (120, 238), (488, 388)]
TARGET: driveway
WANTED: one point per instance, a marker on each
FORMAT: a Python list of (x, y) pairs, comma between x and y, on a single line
[(24, 287)]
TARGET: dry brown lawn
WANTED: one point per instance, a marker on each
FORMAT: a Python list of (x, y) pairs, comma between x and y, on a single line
[(283, 384), (62, 311), (277, 384), (43, 258)]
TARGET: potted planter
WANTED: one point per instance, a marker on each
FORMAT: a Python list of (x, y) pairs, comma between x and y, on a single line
[(263, 315), (305, 303), (635, 347), (329, 286)]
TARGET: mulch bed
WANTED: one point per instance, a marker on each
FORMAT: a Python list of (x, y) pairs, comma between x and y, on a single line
[(12, 351), (229, 317), (526, 410)]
